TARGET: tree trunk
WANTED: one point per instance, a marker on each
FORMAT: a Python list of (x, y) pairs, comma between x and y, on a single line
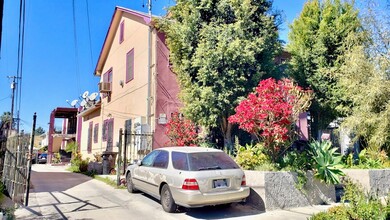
[(226, 128)]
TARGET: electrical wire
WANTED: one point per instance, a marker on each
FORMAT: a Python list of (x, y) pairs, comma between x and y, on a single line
[(5, 98), (22, 19), (75, 46), (89, 35)]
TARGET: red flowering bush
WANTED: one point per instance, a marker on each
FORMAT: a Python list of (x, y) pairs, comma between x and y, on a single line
[(269, 112), (181, 131)]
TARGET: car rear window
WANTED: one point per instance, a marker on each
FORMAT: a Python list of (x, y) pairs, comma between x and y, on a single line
[(179, 160), (202, 161)]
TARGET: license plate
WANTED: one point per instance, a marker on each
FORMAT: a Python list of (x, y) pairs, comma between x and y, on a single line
[(222, 183)]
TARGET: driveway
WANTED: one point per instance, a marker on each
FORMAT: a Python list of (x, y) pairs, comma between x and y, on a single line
[(59, 194)]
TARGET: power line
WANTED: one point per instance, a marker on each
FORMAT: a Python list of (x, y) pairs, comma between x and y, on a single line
[(17, 80), (5, 98), (89, 35), (75, 47)]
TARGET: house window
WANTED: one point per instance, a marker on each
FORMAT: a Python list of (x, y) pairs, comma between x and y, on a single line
[(108, 133), (107, 128), (130, 65), (89, 144), (95, 133), (122, 32), (107, 77), (104, 130)]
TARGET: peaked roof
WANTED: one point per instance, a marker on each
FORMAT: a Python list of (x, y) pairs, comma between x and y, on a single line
[(115, 20)]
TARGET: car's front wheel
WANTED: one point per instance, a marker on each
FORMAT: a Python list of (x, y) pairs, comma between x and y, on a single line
[(130, 186), (167, 201)]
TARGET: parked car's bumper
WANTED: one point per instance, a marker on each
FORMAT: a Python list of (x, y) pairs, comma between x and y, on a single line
[(195, 198), (42, 160)]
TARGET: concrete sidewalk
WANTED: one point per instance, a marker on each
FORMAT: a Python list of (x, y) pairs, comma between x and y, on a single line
[(58, 194)]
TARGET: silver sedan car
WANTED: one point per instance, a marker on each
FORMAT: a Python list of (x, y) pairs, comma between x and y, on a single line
[(189, 177)]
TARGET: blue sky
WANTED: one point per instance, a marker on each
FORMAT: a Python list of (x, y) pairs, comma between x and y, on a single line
[(51, 72)]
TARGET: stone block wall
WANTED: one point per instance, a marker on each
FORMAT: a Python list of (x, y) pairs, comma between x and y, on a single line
[(373, 181), (276, 190)]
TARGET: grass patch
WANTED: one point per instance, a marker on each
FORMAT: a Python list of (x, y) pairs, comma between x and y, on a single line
[(109, 182), (8, 212)]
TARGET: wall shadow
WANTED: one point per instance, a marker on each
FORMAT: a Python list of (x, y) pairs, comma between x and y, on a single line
[(54, 181)]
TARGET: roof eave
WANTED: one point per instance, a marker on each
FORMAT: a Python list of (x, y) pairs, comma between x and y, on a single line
[(115, 20)]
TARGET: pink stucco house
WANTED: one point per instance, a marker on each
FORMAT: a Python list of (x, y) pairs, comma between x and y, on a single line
[(137, 88)]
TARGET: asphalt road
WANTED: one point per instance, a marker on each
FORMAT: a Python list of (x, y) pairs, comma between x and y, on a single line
[(59, 194)]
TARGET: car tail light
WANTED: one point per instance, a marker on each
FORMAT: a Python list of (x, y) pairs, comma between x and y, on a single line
[(190, 184), (243, 181)]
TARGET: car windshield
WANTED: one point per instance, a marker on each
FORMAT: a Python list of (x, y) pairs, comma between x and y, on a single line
[(202, 161)]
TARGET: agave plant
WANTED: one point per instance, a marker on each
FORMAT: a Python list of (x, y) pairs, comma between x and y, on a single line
[(326, 162)]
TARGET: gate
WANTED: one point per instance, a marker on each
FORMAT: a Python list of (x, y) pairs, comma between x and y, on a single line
[(15, 166), (140, 146), (138, 142)]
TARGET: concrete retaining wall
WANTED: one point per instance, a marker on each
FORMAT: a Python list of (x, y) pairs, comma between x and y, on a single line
[(276, 190), (374, 181)]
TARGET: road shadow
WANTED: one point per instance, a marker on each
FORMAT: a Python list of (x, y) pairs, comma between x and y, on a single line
[(222, 211), (252, 207), (54, 181), (62, 205)]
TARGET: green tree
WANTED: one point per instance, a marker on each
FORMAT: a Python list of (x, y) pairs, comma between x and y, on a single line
[(316, 44), (219, 49), (5, 120), (365, 77), (39, 131)]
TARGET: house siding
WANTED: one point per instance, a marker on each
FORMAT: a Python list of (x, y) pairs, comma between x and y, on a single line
[(94, 117), (167, 90), (128, 100)]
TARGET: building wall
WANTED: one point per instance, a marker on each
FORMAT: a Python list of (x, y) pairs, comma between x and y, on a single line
[(127, 101), (57, 141), (167, 90), (95, 118)]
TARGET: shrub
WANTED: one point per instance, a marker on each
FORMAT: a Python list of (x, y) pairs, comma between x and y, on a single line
[(181, 131), (57, 158), (335, 212), (367, 159), (78, 165), (269, 112), (386, 164), (299, 163), (319, 157), (360, 206), (327, 162), (251, 156)]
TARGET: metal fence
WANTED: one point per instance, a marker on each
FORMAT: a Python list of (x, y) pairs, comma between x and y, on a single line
[(15, 166), (140, 145)]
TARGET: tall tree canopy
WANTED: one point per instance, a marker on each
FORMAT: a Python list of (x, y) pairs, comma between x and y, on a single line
[(5, 120), (365, 77), (39, 131), (316, 44), (219, 49)]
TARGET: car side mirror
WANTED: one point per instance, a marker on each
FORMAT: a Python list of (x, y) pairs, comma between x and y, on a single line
[(139, 163)]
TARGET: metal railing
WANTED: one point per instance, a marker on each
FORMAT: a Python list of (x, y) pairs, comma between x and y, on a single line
[(15, 167)]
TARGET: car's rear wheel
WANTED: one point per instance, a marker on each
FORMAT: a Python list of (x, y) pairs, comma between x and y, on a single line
[(129, 183), (167, 201)]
